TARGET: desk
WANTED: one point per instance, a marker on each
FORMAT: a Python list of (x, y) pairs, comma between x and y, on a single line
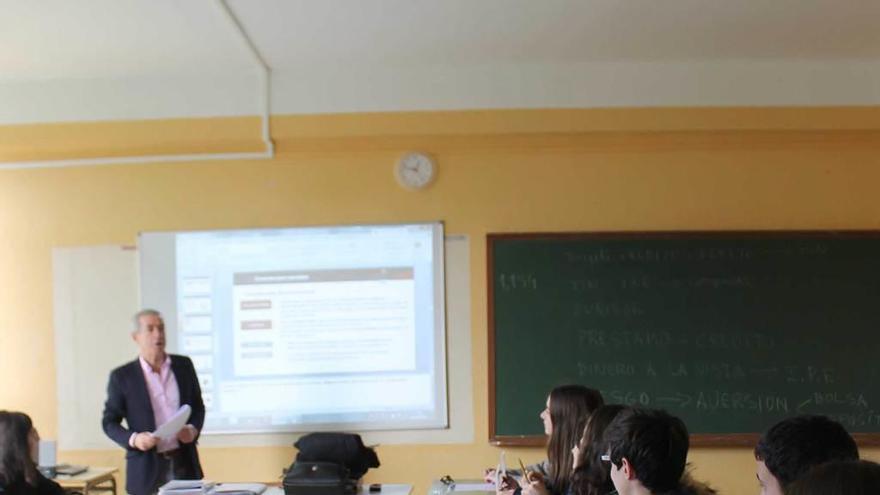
[(94, 479), (460, 487), (387, 489)]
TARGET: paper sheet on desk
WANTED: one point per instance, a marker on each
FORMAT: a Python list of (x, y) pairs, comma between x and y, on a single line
[(170, 428)]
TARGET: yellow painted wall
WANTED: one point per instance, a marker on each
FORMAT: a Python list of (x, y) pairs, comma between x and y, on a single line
[(551, 170)]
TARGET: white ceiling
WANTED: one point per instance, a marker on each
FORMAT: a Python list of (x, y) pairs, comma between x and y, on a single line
[(408, 32), (118, 59)]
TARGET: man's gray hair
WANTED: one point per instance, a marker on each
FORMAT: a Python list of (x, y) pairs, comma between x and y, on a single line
[(143, 312)]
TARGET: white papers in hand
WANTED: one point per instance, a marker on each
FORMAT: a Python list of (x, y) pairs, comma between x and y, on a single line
[(170, 428)]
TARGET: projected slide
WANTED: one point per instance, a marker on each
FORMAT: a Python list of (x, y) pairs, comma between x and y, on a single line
[(324, 321), (310, 328)]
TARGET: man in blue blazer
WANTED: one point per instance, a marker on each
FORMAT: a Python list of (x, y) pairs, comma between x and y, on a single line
[(147, 392)]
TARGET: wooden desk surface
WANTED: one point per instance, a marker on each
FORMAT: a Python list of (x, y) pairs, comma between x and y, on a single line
[(90, 475)]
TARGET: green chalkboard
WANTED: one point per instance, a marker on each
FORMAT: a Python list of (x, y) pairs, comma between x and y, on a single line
[(730, 331)]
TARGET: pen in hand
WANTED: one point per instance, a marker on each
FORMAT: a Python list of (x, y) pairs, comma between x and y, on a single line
[(525, 471)]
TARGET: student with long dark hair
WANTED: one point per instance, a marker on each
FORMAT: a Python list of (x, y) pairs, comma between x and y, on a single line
[(592, 476), (19, 445), (567, 410)]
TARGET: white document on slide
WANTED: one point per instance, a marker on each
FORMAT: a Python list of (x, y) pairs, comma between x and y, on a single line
[(170, 428)]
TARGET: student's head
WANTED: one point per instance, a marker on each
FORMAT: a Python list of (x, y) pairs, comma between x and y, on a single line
[(591, 475), (593, 433), (149, 333), (838, 478), (567, 411), (793, 446), (18, 448), (648, 451)]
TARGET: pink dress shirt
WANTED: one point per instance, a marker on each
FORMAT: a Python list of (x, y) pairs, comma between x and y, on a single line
[(164, 397)]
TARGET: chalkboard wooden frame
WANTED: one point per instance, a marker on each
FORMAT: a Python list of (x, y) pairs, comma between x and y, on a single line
[(697, 439)]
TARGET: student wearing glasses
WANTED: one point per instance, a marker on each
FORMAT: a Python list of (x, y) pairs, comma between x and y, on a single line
[(648, 451)]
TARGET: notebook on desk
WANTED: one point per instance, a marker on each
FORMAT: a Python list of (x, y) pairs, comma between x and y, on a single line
[(186, 487), (70, 469)]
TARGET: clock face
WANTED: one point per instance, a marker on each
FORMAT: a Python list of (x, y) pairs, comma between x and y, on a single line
[(415, 170)]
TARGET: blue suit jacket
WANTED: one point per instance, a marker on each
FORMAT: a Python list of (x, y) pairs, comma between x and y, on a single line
[(127, 398)]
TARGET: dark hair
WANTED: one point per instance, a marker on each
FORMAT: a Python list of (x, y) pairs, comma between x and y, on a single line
[(654, 443), (16, 464), (792, 446), (570, 407), (838, 478), (592, 476)]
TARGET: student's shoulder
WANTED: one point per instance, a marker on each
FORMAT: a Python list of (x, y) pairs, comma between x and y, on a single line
[(49, 487), (42, 486), (690, 486)]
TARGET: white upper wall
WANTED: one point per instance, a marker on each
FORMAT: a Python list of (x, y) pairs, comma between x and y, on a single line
[(135, 59), (115, 39)]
